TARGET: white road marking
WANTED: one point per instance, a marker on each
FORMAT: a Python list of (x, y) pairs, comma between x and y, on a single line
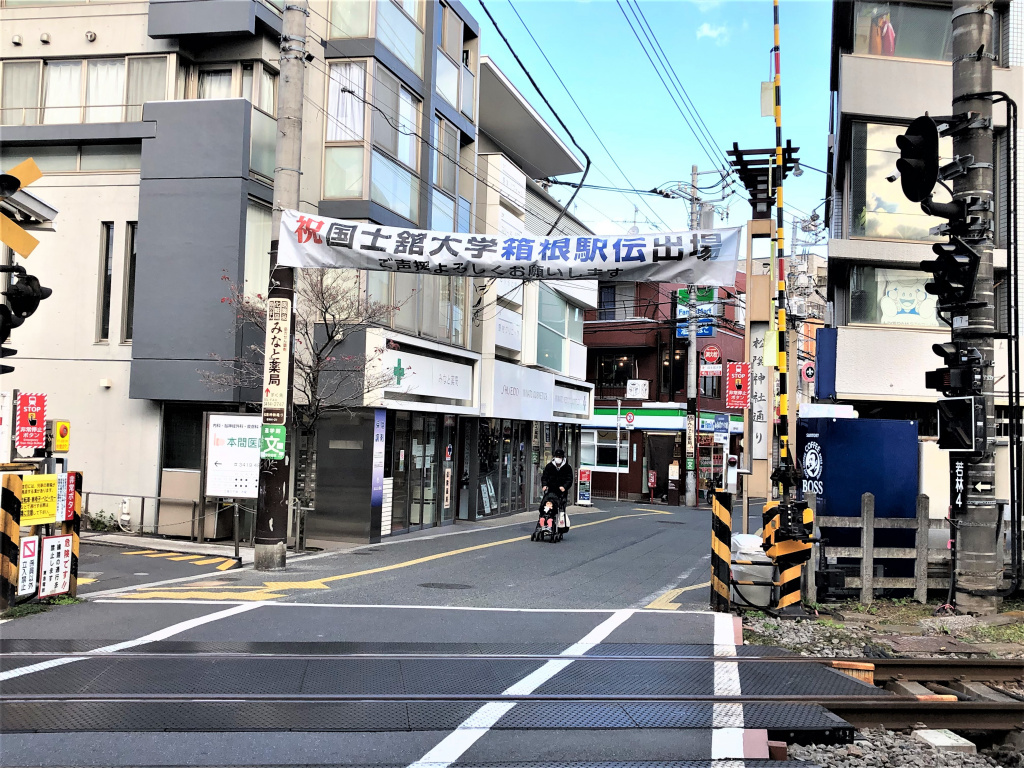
[(726, 719), (152, 637), (680, 579), (455, 744)]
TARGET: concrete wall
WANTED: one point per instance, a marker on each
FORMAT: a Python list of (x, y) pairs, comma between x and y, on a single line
[(876, 363), (892, 252)]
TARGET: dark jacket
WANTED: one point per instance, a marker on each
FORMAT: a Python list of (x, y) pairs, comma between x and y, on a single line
[(557, 477)]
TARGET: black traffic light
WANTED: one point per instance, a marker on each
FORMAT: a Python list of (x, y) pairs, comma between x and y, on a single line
[(23, 296), (962, 424), (964, 371), (955, 270), (919, 158), (7, 352)]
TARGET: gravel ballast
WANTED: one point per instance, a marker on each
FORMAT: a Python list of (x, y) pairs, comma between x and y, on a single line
[(880, 749)]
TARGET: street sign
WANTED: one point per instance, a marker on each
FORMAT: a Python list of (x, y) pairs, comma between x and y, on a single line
[(30, 424), (583, 489), (61, 436), (272, 442), (55, 574), (705, 328), (233, 456), (722, 423), (65, 497), (275, 360), (957, 483), (711, 369), (28, 566), (652, 478), (39, 500), (705, 294), (712, 354), (737, 387), (807, 372), (630, 417)]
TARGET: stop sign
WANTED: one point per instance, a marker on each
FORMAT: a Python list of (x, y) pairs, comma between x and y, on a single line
[(712, 354)]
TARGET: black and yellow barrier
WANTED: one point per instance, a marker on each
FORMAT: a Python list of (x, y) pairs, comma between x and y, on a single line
[(787, 541), (10, 540), (721, 550)]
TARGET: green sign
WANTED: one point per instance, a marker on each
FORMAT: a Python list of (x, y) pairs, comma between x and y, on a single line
[(704, 295), (690, 463), (272, 444)]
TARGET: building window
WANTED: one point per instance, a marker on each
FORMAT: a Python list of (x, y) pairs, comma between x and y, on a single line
[(215, 84), (395, 188), (350, 18), (21, 80), (447, 79), (106, 275), (616, 301), (711, 387), (69, 159), (465, 223), (344, 156), (147, 81), (256, 274), (614, 369), (903, 30), (445, 169), (881, 296), (396, 119), (878, 208), (399, 27), (104, 90), (551, 328), (598, 448), (130, 253), (442, 213)]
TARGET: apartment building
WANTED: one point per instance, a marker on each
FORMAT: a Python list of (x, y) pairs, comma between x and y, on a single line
[(154, 124), (885, 324)]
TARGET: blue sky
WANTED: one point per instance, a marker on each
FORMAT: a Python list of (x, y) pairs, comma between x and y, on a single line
[(721, 53)]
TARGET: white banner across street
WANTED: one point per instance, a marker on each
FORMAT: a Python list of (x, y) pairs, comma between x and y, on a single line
[(704, 257)]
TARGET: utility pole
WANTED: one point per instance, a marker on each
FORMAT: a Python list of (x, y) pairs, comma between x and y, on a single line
[(275, 474), (979, 557), (692, 416)]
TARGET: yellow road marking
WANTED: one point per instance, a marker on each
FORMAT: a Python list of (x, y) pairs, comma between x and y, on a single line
[(664, 602), (162, 554), (229, 562), (186, 557), (85, 581), (140, 552), (275, 589), (208, 561)]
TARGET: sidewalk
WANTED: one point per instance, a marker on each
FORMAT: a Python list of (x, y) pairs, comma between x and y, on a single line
[(216, 549)]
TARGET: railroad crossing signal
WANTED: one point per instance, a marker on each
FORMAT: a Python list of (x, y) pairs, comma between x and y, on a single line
[(962, 424), (919, 158), (955, 271), (964, 372), (11, 233)]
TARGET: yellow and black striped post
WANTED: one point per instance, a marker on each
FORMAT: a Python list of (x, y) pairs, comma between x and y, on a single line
[(10, 540), (786, 534), (73, 528), (721, 550)]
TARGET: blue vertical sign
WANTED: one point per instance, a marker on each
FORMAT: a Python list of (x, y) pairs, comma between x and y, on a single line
[(380, 421)]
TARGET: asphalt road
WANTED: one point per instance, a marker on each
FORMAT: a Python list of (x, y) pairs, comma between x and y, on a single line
[(102, 567), (368, 657)]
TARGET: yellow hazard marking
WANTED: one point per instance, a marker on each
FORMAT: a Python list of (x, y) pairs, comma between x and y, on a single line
[(140, 552), (222, 563), (186, 557), (86, 581), (229, 562), (209, 561), (163, 554), (274, 589), (664, 602)]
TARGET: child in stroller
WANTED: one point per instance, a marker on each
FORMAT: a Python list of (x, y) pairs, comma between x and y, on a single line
[(547, 524)]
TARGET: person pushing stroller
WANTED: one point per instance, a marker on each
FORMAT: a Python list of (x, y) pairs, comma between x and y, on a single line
[(556, 480)]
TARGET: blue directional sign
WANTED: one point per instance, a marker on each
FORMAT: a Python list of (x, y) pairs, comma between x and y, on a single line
[(705, 328)]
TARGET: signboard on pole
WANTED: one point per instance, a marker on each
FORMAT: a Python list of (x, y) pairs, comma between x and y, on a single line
[(28, 566), (380, 416), (65, 497), (712, 354), (61, 436), (583, 489), (233, 456), (55, 574), (737, 385), (957, 488), (30, 424), (710, 369), (39, 500), (275, 361), (708, 257)]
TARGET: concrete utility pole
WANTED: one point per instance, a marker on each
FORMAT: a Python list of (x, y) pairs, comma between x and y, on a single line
[(275, 475), (979, 555), (692, 451)]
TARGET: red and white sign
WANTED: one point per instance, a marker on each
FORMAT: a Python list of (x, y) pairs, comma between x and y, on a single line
[(55, 574), (30, 426), (630, 417), (652, 478), (28, 566), (66, 497), (711, 369), (584, 475), (808, 371), (712, 354), (737, 385)]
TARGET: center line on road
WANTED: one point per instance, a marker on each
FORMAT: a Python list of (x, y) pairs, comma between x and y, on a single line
[(152, 637), (455, 744)]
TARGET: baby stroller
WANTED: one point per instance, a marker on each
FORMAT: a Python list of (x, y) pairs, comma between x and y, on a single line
[(553, 521)]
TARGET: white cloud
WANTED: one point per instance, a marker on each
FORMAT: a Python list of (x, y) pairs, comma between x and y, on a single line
[(719, 34)]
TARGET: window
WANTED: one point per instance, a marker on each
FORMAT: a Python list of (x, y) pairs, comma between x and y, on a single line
[(63, 100), (110, 157), (711, 387), (130, 253), (396, 119), (21, 92), (465, 216), (614, 369), (442, 213), (904, 30), (395, 188), (447, 79), (575, 324), (551, 328), (598, 448), (215, 84), (881, 296), (265, 97), (346, 123), (147, 81), (350, 18), (398, 29), (468, 92), (446, 137), (106, 274), (256, 276), (103, 91), (452, 40), (878, 208), (68, 159), (616, 301), (458, 297)]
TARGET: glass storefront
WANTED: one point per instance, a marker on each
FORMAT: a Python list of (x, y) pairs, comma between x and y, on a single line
[(423, 470)]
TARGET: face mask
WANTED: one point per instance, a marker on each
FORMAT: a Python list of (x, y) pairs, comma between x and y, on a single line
[(558, 462)]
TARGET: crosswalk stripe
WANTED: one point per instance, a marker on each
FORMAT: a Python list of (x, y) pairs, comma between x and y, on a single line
[(187, 557)]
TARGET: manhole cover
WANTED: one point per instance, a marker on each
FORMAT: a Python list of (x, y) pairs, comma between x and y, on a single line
[(441, 585)]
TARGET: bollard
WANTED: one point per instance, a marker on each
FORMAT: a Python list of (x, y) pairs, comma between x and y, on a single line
[(867, 548), (235, 505), (721, 550), (10, 540)]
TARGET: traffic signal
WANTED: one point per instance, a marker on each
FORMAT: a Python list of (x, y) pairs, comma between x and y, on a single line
[(23, 296), (955, 271), (962, 424), (7, 352), (919, 158), (964, 371)]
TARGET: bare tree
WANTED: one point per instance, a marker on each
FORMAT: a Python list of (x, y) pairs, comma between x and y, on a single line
[(330, 307)]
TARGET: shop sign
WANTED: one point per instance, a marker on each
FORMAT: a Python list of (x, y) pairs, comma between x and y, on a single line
[(412, 374), (276, 360), (736, 425), (55, 575), (508, 329), (28, 566), (707, 423), (574, 401), (447, 488), (233, 456), (705, 294), (737, 385), (760, 394), (710, 369), (673, 470), (705, 439), (30, 429), (691, 436), (583, 490), (272, 442), (377, 478), (521, 393), (637, 389), (39, 499), (721, 438), (722, 423)]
